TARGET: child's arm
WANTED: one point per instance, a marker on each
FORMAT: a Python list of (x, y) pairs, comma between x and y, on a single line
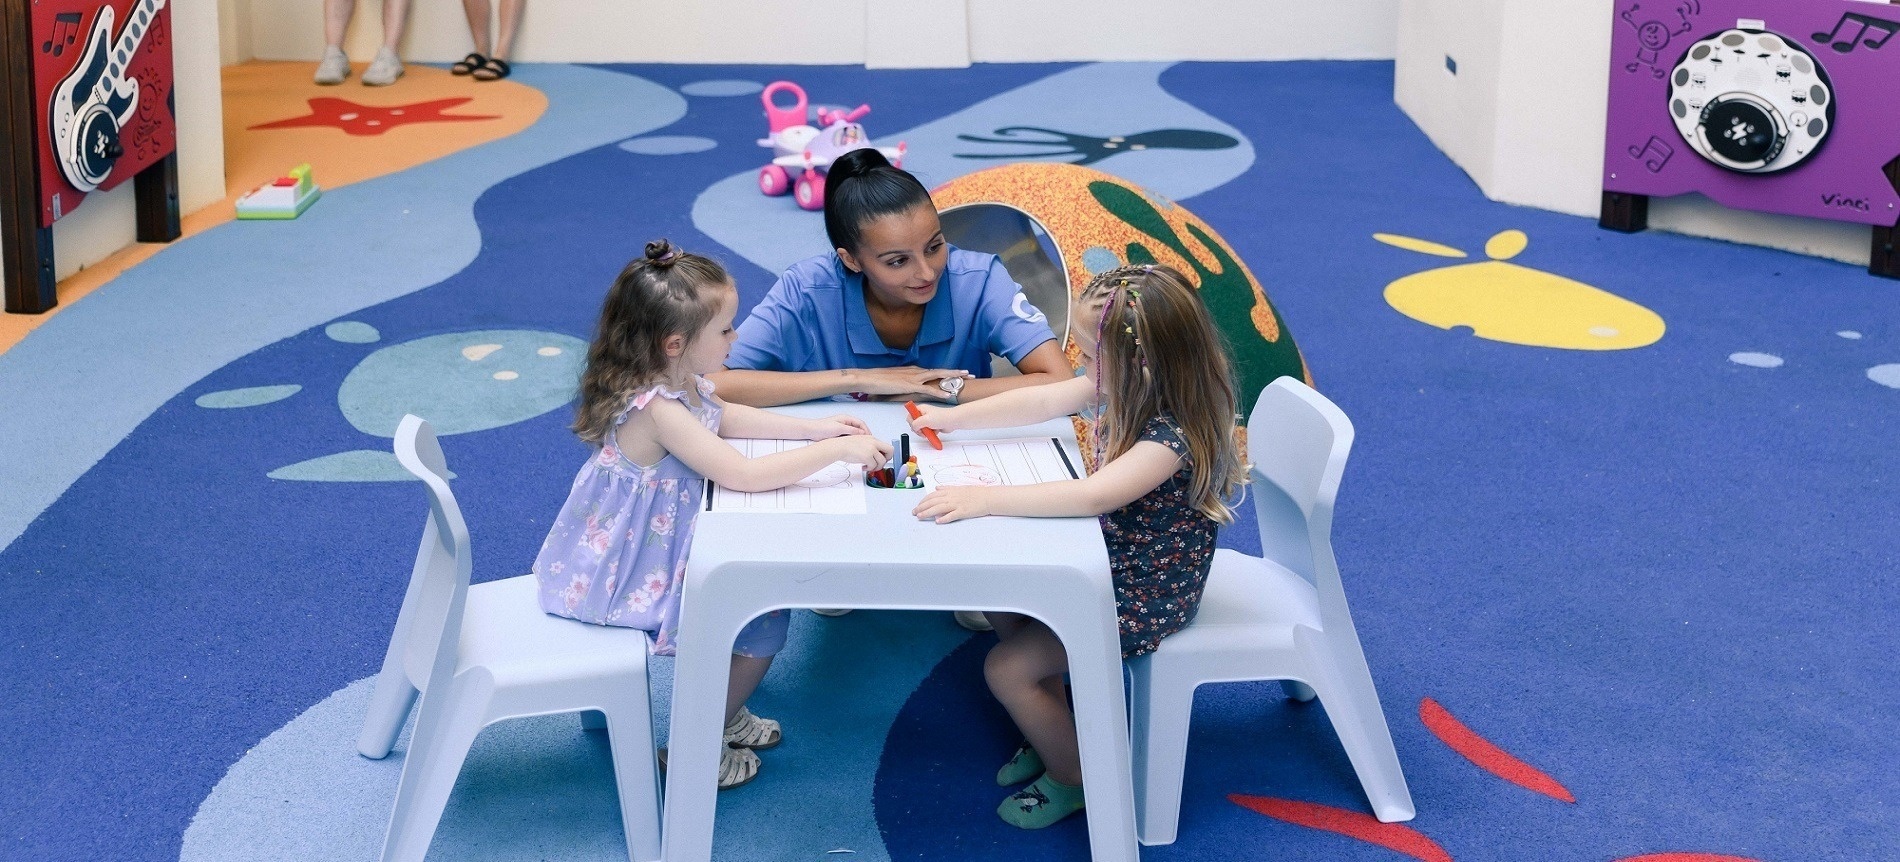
[(1025, 406), (684, 438), (743, 421), (1119, 482)]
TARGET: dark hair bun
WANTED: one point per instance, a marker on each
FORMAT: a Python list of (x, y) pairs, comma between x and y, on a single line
[(854, 164), (661, 252)]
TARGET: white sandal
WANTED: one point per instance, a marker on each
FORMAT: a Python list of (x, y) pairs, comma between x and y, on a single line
[(736, 766), (750, 731)]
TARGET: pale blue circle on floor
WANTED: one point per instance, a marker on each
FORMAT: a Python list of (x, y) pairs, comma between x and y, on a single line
[(463, 381), (668, 145), (352, 332), (723, 87), (1848, 334), (356, 465), (1887, 375), (247, 397), (542, 788), (1756, 360), (1098, 260)]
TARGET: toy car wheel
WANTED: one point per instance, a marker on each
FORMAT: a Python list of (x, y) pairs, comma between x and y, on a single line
[(811, 191), (774, 181)]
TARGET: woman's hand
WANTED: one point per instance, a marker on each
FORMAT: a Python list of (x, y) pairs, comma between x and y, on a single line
[(955, 504), (934, 417), (858, 449), (841, 425), (904, 382)]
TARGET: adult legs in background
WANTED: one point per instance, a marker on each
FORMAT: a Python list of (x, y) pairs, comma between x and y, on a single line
[(498, 50), (335, 65), (387, 66)]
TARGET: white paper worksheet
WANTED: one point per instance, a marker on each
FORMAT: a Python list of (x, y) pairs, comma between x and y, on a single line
[(1011, 461), (836, 489)]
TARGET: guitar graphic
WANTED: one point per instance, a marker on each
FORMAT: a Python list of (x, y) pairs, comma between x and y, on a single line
[(96, 99)]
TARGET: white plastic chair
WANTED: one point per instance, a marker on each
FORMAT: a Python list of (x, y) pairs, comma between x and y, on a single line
[(1283, 617), (485, 653)]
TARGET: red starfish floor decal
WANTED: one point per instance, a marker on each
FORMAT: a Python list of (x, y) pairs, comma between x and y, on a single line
[(374, 119)]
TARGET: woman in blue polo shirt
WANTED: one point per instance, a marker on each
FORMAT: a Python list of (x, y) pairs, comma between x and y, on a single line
[(894, 312)]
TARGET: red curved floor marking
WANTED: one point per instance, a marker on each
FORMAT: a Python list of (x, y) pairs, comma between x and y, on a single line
[(1351, 824), (1488, 756), (1687, 857)]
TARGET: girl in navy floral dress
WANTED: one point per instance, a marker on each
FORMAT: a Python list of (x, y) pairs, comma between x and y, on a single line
[(1158, 374)]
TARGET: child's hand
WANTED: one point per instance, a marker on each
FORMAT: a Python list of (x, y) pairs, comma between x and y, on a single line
[(859, 449), (955, 503), (933, 417), (834, 426)]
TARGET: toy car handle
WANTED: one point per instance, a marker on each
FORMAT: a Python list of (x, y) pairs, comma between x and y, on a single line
[(827, 116), (778, 119)]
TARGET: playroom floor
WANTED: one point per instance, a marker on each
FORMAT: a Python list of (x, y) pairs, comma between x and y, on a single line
[(1655, 583)]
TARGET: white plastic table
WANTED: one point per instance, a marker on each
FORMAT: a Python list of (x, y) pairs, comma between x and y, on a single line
[(1054, 569)]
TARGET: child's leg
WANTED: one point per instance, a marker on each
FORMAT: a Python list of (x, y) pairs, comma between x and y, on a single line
[(746, 674), (1025, 673), (1006, 623), (752, 654)]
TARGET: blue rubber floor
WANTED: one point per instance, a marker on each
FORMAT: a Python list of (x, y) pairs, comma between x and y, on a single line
[(1662, 576)]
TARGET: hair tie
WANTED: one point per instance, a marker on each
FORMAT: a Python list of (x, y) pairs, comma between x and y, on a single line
[(666, 257)]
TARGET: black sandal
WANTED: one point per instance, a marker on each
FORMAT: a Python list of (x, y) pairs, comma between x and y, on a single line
[(467, 65), (492, 69)]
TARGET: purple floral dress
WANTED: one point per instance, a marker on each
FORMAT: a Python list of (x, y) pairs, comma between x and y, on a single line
[(1159, 550), (616, 555)]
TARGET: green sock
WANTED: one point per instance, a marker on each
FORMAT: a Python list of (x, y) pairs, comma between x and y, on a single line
[(1022, 766), (1043, 803)]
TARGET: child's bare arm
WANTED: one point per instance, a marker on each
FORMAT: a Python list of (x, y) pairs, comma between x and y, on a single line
[(1119, 482), (743, 421), (1025, 406), (681, 435)]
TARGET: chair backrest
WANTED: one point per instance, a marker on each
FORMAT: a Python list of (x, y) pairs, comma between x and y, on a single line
[(430, 623), (1298, 442)]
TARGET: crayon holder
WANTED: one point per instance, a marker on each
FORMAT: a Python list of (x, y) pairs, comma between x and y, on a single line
[(883, 479)]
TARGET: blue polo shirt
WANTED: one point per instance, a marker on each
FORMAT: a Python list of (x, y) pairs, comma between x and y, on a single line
[(814, 319)]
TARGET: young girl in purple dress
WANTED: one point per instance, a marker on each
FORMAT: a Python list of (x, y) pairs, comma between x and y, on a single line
[(1169, 462), (616, 555)]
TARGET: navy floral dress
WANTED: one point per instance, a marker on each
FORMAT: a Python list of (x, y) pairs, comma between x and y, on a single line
[(1159, 550)]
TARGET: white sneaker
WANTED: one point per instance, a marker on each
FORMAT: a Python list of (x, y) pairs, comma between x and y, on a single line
[(384, 70), (973, 620), (335, 66), (831, 612)]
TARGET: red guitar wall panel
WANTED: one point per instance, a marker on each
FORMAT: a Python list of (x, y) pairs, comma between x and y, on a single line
[(103, 74)]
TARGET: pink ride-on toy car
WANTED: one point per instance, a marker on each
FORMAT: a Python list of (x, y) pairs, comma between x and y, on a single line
[(807, 150)]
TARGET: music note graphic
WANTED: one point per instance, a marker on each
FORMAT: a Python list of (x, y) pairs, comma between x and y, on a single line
[(1653, 155), (1861, 24), (65, 32)]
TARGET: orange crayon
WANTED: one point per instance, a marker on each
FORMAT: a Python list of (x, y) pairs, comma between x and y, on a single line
[(929, 433)]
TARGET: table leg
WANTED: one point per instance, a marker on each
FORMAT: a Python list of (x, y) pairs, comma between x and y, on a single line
[(701, 668), (1101, 726)]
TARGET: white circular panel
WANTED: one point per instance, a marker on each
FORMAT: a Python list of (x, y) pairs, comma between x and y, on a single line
[(1750, 101)]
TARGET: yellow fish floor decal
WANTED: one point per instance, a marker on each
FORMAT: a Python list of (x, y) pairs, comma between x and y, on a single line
[(1515, 304)]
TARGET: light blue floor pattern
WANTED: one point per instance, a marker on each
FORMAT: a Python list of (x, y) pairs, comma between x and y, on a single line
[(774, 233), (541, 788), (161, 326)]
